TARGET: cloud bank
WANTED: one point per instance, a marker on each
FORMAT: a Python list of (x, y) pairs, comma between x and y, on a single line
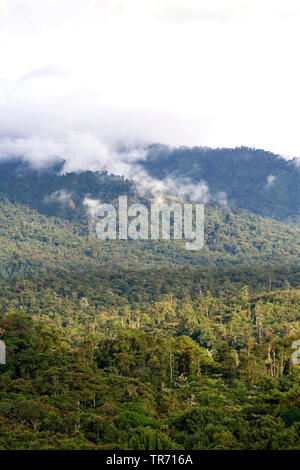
[(81, 79)]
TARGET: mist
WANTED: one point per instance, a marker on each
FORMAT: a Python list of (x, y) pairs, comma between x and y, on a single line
[(81, 80)]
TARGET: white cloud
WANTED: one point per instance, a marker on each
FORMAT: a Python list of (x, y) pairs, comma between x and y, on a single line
[(61, 195), (45, 72), (36, 150), (170, 186), (91, 206), (270, 180), (81, 76), (182, 11)]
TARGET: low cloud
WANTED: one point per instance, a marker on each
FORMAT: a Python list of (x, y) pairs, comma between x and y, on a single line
[(80, 151), (61, 195), (297, 161), (171, 186), (221, 198), (91, 206), (95, 68), (270, 180), (38, 151), (96, 96)]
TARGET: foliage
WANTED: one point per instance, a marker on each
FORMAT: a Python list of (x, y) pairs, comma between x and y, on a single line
[(201, 373)]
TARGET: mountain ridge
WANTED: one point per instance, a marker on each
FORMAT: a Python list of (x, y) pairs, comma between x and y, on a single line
[(31, 242), (255, 180)]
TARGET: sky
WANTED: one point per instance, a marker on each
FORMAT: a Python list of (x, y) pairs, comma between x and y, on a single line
[(79, 78)]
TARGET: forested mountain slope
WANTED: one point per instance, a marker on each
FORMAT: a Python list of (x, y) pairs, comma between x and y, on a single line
[(75, 299), (50, 192), (33, 243), (202, 374), (143, 344), (256, 180)]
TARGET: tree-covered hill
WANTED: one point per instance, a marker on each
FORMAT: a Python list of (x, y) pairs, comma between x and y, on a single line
[(50, 193), (71, 299), (185, 374), (143, 344), (255, 180), (245, 178), (33, 243)]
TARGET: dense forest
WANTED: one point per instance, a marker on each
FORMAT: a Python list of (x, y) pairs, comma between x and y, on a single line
[(258, 181), (255, 180), (34, 243), (178, 373), (142, 344)]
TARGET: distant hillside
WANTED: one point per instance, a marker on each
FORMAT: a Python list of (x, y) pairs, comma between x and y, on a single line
[(255, 180), (50, 193), (87, 293), (132, 344), (33, 243)]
